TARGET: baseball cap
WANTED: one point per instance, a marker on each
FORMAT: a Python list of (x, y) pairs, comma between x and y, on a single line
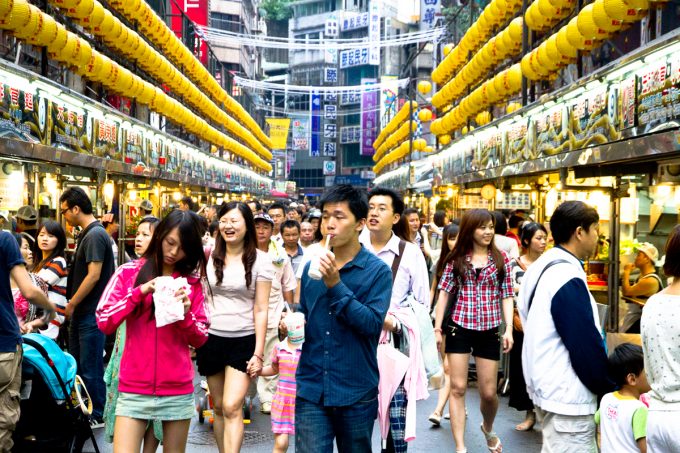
[(264, 217), (315, 214), (4, 214), (146, 205), (27, 213), (649, 250), (293, 205)]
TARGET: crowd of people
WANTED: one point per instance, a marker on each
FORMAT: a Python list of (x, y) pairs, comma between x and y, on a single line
[(387, 301)]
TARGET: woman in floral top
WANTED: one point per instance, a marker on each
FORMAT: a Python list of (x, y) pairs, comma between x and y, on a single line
[(478, 276)]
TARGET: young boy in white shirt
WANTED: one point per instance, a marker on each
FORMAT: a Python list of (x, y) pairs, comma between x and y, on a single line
[(622, 416)]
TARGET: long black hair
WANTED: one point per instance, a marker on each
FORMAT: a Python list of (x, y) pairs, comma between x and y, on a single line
[(55, 229), (249, 243), (189, 229)]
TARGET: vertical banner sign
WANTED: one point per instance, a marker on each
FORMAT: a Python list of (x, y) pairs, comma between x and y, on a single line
[(430, 11), (374, 32), (315, 149), (301, 134), (369, 118), (278, 132), (197, 12), (388, 98)]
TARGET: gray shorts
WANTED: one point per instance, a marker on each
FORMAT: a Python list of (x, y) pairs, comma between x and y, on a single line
[(149, 407), (567, 433)]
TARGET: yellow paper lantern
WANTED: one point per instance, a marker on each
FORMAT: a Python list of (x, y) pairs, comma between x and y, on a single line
[(65, 4), (105, 26), (425, 115), (428, 149), (483, 118), (544, 59), (5, 8), (33, 26), (587, 26), (84, 8), (47, 33), (18, 16), (424, 87), (85, 54), (419, 144), (445, 139), (575, 37), (563, 44), (602, 20), (513, 107), (625, 10)]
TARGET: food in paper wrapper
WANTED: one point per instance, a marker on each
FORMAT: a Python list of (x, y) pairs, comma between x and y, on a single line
[(169, 308)]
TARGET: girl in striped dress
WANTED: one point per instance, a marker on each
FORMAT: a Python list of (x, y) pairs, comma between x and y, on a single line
[(284, 362)]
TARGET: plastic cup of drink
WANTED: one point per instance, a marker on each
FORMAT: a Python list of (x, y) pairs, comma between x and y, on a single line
[(295, 323), (314, 272)]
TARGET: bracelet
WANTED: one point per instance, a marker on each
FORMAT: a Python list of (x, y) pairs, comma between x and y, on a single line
[(259, 357), (437, 329)]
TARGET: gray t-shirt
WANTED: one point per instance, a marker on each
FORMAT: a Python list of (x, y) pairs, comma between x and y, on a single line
[(94, 245)]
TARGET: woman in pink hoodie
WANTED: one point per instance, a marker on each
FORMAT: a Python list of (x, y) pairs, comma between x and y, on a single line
[(156, 372)]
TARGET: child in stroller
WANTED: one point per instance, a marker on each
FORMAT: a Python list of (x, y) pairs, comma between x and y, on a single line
[(55, 406)]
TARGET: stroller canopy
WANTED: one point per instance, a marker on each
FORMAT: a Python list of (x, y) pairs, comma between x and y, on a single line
[(53, 364)]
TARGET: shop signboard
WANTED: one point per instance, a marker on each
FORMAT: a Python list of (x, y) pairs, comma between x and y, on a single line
[(489, 148), (69, 128), (23, 114), (172, 158), (210, 170), (135, 150), (552, 131), (199, 166), (655, 94), (301, 134), (628, 103), (514, 200), (519, 144), (156, 151), (591, 122), (107, 138), (369, 119), (186, 161)]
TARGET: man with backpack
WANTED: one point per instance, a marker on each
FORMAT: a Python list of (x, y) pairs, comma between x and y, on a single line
[(12, 263), (564, 358), (93, 265)]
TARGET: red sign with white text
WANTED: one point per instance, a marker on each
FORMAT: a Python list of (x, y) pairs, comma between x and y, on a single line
[(197, 12)]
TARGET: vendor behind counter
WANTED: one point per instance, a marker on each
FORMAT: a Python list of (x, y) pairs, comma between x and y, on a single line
[(645, 286)]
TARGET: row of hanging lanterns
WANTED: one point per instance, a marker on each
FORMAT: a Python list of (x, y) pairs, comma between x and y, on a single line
[(393, 124), (29, 23), (101, 22), (157, 31)]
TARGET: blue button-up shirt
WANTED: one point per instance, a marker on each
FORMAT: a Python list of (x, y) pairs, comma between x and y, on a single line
[(338, 365)]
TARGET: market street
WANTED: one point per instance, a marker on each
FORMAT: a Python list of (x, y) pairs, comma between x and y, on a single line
[(258, 436)]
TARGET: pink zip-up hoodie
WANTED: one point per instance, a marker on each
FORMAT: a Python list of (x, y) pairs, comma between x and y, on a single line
[(156, 360)]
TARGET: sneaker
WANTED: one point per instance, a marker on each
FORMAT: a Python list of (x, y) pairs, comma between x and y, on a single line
[(448, 416), (96, 423), (266, 408), (435, 419)]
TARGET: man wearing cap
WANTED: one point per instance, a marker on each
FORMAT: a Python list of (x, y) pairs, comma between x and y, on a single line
[(5, 222), (27, 222), (283, 285), (146, 208), (646, 285)]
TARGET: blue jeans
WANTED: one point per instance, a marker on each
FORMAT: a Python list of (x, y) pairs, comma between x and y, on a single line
[(86, 345), (351, 426)]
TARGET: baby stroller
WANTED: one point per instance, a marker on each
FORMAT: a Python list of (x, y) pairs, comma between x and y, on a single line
[(55, 405)]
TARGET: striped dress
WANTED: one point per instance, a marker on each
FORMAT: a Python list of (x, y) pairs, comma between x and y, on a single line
[(55, 274), (283, 404)]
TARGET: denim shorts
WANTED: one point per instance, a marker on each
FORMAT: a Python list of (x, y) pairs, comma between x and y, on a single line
[(151, 407)]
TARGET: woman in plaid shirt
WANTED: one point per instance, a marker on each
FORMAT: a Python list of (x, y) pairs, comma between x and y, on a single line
[(477, 276)]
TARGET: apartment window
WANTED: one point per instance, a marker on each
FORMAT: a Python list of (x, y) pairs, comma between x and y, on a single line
[(226, 22)]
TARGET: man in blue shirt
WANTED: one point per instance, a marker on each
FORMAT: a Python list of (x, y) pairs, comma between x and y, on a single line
[(12, 264), (337, 376)]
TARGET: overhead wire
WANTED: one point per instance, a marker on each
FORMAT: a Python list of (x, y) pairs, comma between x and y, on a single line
[(301, 89)]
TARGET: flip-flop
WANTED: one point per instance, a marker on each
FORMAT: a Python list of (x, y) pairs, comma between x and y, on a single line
[(498, 447)]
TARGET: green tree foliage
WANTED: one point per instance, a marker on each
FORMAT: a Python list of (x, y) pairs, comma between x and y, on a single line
[(276, 9)]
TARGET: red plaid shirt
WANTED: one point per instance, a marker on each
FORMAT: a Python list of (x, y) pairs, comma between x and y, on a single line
[(479, 304)]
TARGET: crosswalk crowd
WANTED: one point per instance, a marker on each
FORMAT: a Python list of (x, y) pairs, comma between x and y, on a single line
[(344, 313)]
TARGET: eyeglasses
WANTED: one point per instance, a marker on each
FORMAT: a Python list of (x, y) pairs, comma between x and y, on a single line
[(64, 211)]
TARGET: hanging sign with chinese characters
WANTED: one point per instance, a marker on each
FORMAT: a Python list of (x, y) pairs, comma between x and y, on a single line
[(107, 142), (591, 122), (135, 151), (350, 134), (374, 32), (350, 97), (655, 103), (23, 114), (354, 57), (330, 75), (369, 119), (430, 11), (519, 144), (552, 131), (69, 128), (354, 22)]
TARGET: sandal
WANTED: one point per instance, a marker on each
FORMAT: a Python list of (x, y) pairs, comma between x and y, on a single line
[(498, 447), (527, 424)]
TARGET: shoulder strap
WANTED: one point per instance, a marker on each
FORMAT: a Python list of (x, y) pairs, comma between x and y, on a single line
[(397, 259), (548, 266), (655, 277)]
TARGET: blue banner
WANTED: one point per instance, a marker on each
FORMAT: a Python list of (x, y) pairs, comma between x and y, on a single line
[(315, 149)]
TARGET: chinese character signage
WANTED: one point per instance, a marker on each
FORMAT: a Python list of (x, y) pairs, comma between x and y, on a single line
[(330, 130), (197, 12), (69, 128), (350, 134), (354, 22), (301, 134), (350, 97), (23, 114), (135, 147), (369, 119), (591, 122), (330, 75), (329, 149), (315, 149), (278, 132), (374, 32), (552, 131), (330, 98), (354, 57), (430, 11), (627, 95), (107, 139), (331, 29), (330, 111)]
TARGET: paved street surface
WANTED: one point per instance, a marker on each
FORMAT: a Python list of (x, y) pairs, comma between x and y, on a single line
[(258, 437)]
